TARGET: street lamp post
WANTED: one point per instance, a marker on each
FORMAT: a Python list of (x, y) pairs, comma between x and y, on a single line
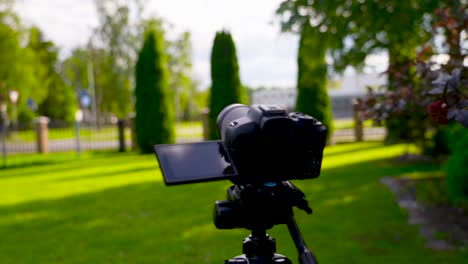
[(14, 95), (78, 119)]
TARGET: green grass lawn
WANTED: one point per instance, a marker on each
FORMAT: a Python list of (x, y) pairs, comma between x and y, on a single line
[(111, 208), (349, 123), (184, 130), (105, 133)]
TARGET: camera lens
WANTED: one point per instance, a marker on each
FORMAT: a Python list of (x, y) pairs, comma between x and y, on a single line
[(228, 115)]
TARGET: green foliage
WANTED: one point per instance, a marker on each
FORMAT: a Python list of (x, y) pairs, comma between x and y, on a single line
[(119, 38), (113, 91), (60, 102), (226, 86), (24, 69), (31, 70), (181, 84), (59, 99), (201, 99), (432, 189), (154, 112), (10, 52), (359, 28), (312, 98), (457, 165), (74, 69), (355, 29)]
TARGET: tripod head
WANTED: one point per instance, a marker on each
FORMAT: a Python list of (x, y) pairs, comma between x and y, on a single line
[(259, 208)]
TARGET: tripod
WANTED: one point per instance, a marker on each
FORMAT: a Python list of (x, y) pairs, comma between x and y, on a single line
[(259, 208)]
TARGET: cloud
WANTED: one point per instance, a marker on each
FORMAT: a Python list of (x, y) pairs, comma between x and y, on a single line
[(67, 22), (266, 57)]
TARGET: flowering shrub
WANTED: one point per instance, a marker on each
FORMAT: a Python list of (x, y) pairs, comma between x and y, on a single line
[(426, 88)]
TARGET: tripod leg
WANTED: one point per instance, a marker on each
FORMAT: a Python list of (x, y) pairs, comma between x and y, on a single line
[(305, 255)]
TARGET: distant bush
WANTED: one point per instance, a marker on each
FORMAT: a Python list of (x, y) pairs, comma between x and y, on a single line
[(155, 119), (226, 86), (456, 167)]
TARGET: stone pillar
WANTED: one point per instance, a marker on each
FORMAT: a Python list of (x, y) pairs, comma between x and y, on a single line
[(204, 117), (42, 133), (357, 116)]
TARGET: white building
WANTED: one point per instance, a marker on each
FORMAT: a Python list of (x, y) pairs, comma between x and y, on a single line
[(342, 91)]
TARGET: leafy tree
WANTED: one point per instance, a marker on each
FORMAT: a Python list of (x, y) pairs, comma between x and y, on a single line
[(120, 37), (181, 84), (10, 49), (20, 70), (56, 100), (439, 92), (7, 15), (201, 99), (75, 68), (76, 71), (10, 54), (154, 113), (226, 87), (31, 70), (356, 29), (60, 102), (312, 96), (360, 28)]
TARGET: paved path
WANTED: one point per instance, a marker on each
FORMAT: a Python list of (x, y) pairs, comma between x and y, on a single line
[(431, 219)]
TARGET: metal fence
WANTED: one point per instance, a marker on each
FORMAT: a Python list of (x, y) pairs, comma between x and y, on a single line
[(349, 135), (60, 136)]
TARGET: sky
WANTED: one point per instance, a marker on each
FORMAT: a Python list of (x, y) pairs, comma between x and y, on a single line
[(266, 56)]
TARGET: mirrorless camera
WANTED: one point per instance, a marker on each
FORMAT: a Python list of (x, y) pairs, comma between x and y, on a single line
[(259, 144)]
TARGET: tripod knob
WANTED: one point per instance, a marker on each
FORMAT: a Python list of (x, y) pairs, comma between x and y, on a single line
[(237, 260), (277, 258), (227, 215)]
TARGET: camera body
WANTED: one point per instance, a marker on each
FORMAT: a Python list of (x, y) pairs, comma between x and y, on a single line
[(259, 144), (267, 144)]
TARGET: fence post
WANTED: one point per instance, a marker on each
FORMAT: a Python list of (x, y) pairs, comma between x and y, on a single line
[(204, 117), (121, 129), (358, 129), (42, 133), (131, 124)]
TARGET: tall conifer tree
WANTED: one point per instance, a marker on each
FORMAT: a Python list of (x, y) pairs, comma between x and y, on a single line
[(312, 96), (154, 111), (226, 86)]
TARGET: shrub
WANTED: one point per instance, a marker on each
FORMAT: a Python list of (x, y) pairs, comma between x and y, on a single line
[(456, 167)]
